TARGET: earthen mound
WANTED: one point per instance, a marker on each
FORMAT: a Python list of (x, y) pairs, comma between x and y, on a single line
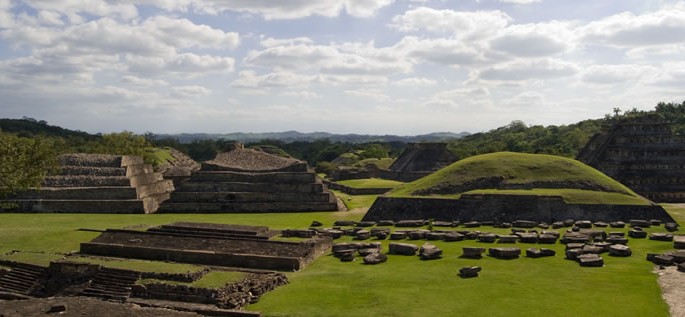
[(246, 160)]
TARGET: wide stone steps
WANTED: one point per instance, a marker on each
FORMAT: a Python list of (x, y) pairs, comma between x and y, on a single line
[(114, 284), (121, 206), (203, 234), (281, 177), (173, 207), (92, 171), (222, 197), (106, 193), (86, 181), (314, 188), (22, 279)]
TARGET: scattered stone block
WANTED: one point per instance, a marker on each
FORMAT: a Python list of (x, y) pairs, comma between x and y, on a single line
[(569, 222), (546, 238), (472, 224), (681, 267), (524, 224), (663, 259), (367, 251), (298, 233), (429, 252), (398, 235), (543, 225), (375, 258), (637, 234), (410, 223), (573, 254), (655, 222), (678, 256), (473, 253), (385, 223), (617, 224), (639, 223), (376, 231), (505, 225), (381, 235), (471, 235), (528, 237), (601, 224), (583, 224), (508, 239), (505, 253), (574, 237), (603, 245), (591, 249), (574, 245), (557, 224), (363, 235), (453, 236), (402, 248), (346, 256), (617, 240), (617, 233), (435, 236), (679, 242), (335, 234), (57, 309), (591, 260), (487, 237), (538, 253), (443, 224), (417, 235), (344, 223), (316, 224), (671, 226), (620, 250), (365, 224), (469, 271), (661, 236)]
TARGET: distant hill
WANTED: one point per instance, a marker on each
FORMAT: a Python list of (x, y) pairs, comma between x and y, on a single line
[(31, 127), (294, 136)]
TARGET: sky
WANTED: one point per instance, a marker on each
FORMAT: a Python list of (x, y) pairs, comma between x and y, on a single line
[(402, 67)]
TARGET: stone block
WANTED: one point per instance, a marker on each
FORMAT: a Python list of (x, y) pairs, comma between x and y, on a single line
[(620, 250), (402, 248), (573, 254), (375, 258), (410, 223), (591, 260), (538, 253), (617, 224), (469, 271), (583, 224), (429, 252), (524, 224), (435, 236), (661, 236), (505, 253), (487, 237), (547, 239), (472, 224), (453, 236), (508, 239), (637, 234), (473, 253), (639, 223), (601, 224), (679, 242), (398, 235), (385, 223)]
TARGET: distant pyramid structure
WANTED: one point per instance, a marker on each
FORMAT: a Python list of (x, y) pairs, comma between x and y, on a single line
[(249, 180), (97, 183), (643, 154), (421, 159)]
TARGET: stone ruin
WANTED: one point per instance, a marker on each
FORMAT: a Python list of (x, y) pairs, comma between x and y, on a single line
[(97, 183), (210, 244), (417, 160), (643, 154), (248, 180)]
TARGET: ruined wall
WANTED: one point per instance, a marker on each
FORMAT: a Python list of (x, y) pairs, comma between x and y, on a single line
[(506, 208), (356, 191)]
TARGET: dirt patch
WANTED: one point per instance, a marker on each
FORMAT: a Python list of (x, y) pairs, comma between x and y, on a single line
[(251, 160), (672, 291)]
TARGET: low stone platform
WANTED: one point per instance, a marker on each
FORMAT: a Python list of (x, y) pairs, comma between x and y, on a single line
[(210, 244), (97, 183)]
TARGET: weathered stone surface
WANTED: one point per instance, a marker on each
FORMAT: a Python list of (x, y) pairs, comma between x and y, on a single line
[(573, 254), (508, 239), (617, 239), (335, 234), (678, 256), (367, 251), (410, 223), (385, 223), (453, 236), (671, 226), (636, 234), (443, 224), (363, 235), (663, 259), (601, 224), (617, 224), (538, 253), (574, 245), (569, 222), (557, 224), (346, 256), (316, 224), (366, 224), (660, 236), (543, 225), (472, 224), (429, 252), (546, 238), (487, 237), (620, 250), (339, 247), (375, 258), (528, 237), (417, 235), (504, 253), (469, 271), (655, 222), (524, 224), (585, 224), (591, 249), (591, 260), (398, 235), (679, 242), (603, 245), (402, 248), (681, 267), (435, 236), (639, 223), (473, 253), (344, 223), (299, 233)]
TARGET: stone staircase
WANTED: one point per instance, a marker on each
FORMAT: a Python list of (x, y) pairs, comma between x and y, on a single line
[(22, 279), (96, 183), (112, 284)]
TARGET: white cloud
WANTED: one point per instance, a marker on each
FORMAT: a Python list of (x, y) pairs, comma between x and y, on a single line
[(414, 82), (523, 101), (666, 26), (300, 94), (476, 24), (99, 8), (142, 82), (528, 69), (193, 91), (250, 80), (374, 94), (613, 74), (461, 98), (185, 64), (671, 75), (534, 40), (441, 51), (182, 33), (520, 1)]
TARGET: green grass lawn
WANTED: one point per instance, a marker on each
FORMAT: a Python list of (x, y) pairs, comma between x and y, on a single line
[(404, 286), (370, 183)]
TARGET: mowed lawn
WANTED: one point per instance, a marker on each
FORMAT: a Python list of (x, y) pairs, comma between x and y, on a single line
[(404, 286)]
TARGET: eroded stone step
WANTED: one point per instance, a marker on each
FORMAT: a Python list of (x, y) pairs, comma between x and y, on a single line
[(131, 206), (248, 197), (86, 181), (80, 193), (91, 171), (282, 177), (170, 207), (313, 188)]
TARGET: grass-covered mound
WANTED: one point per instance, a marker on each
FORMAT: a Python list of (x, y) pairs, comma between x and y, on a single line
[(525, 174), (370, 183)]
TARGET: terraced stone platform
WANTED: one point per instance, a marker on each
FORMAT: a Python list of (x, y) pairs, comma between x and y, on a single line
[(247, 180), (96, 183)]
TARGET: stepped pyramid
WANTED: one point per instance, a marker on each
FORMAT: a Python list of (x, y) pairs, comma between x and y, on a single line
[(248, 180), (98, 183), (643, 154), (421, 159)]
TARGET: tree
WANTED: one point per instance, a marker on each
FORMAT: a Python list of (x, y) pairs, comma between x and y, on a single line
[(126, 143), (24, 163)]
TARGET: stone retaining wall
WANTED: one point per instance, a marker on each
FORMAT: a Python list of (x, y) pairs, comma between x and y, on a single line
[(356, 191), (506, 208)]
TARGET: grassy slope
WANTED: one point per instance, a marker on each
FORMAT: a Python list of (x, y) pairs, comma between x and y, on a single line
[(383, 163), (370, 183), (516, 168)]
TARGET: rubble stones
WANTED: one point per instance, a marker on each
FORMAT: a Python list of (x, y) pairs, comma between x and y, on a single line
[(487, 237), (363, 235), (429, 252), (524, 224), (617, 239), (344, 223), (591, 249), (472, 224), (546, 238), (671, 226), (663, 259), (620, 250), (617, 224), (573, 254), (410, 223), (402, 248), (366, 224), (385, 223), (601, 224), (505, 253), (639, 223), (538, 253), (508, 239), (469, 271), (584, 224), (591, 260), (435, 236), (453, 236), (398, 235), (661, 236), (679, 242), (557, 225), (375, 258), (637, 234)]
